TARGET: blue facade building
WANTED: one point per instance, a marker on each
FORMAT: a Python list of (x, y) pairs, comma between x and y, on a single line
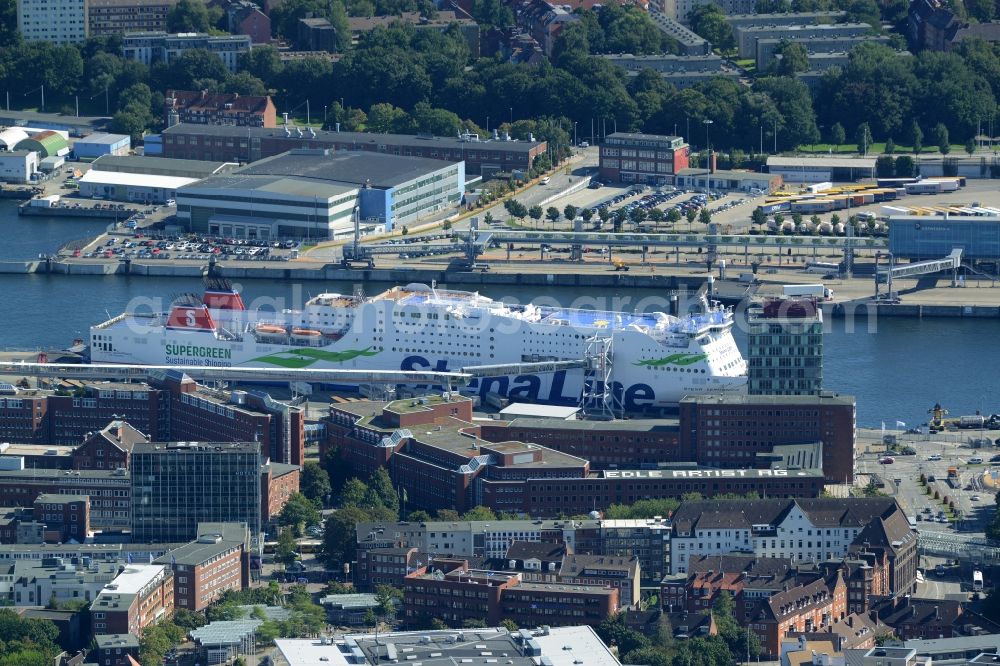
[(95, 145), (932, 237)]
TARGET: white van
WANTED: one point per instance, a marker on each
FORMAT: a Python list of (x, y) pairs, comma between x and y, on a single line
[(544, 181)]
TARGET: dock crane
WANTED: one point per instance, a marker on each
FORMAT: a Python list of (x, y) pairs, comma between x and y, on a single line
[(937, 412)]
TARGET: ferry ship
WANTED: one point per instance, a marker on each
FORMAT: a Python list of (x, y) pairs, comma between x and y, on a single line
[(656, 358)]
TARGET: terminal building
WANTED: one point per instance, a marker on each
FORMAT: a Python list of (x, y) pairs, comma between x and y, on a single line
[(933, 237), (821, 169), (313, 193)]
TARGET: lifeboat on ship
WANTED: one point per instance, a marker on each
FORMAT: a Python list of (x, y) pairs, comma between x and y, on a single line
[(306, 333), (270, 329)]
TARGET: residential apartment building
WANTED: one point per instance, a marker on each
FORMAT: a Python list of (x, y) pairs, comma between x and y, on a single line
[(178, 485), (55, 21), (647, 540), (785, 347), (680, 71), (155, 46), (804, 529), (246, 18), (385, 566), (734, 430), (914, 618), (115, 649), (681, 9), (642, 158), (117, 17), (688, 43), (141, 595), (204, 108), (215, 562), (442, 20), (453, 592), (747, 35), (234, 144), (810, 607)]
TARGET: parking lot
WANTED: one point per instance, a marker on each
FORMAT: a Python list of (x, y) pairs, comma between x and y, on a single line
[(938, 504), (158, 246)]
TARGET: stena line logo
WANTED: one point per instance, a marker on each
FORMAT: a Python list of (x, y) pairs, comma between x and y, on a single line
[(532, 388)]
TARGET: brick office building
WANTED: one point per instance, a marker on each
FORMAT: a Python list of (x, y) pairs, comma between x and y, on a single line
[(109, 448), (109, 491), (642, 158), (278, 482), (171, 408), (434, 451), (141, 595), (450, 590), (66, 515), (216, 561), (731, 430), (240, 144)]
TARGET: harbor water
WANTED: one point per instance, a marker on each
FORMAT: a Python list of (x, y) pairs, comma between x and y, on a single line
[(897, 368)]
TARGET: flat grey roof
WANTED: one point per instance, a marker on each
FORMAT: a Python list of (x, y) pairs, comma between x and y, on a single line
[(164, 163), (104, 138), (105, 641), (196, 552), (357, 168), (829, 162), (360, 138)]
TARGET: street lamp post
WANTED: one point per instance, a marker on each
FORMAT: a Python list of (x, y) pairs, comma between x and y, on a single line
[(574, 133), (708, 153)]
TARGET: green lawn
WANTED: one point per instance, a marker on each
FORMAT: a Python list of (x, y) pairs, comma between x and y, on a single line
[(877, 149)]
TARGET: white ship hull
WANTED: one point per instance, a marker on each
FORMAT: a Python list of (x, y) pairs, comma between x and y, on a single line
[(656, 359)]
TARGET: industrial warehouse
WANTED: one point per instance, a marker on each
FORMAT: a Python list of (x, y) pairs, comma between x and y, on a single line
[(313, 193)]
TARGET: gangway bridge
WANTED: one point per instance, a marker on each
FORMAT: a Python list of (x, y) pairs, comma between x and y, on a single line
[(886, 275)]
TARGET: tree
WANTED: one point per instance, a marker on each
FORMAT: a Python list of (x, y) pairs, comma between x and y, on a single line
[(315, 483), (381, 485), (339, 536), (863, 137), (388, 599), (298, 512), (354, 492), (509, 625), (941, 139), (552, 214), (656, 215), (691, 215), (837, 135), (479, 513), (704, 216), (890, 146), (448, 515), (287, 550), (758, 217), (794, 59), (709, 21), (637, 215), (492, 13), (192, 16), (970, 146), (916, 138), (885, 166), (535, 213), (569, 212), (385, 118), (587, 214), (604, 214), (673, 216)]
